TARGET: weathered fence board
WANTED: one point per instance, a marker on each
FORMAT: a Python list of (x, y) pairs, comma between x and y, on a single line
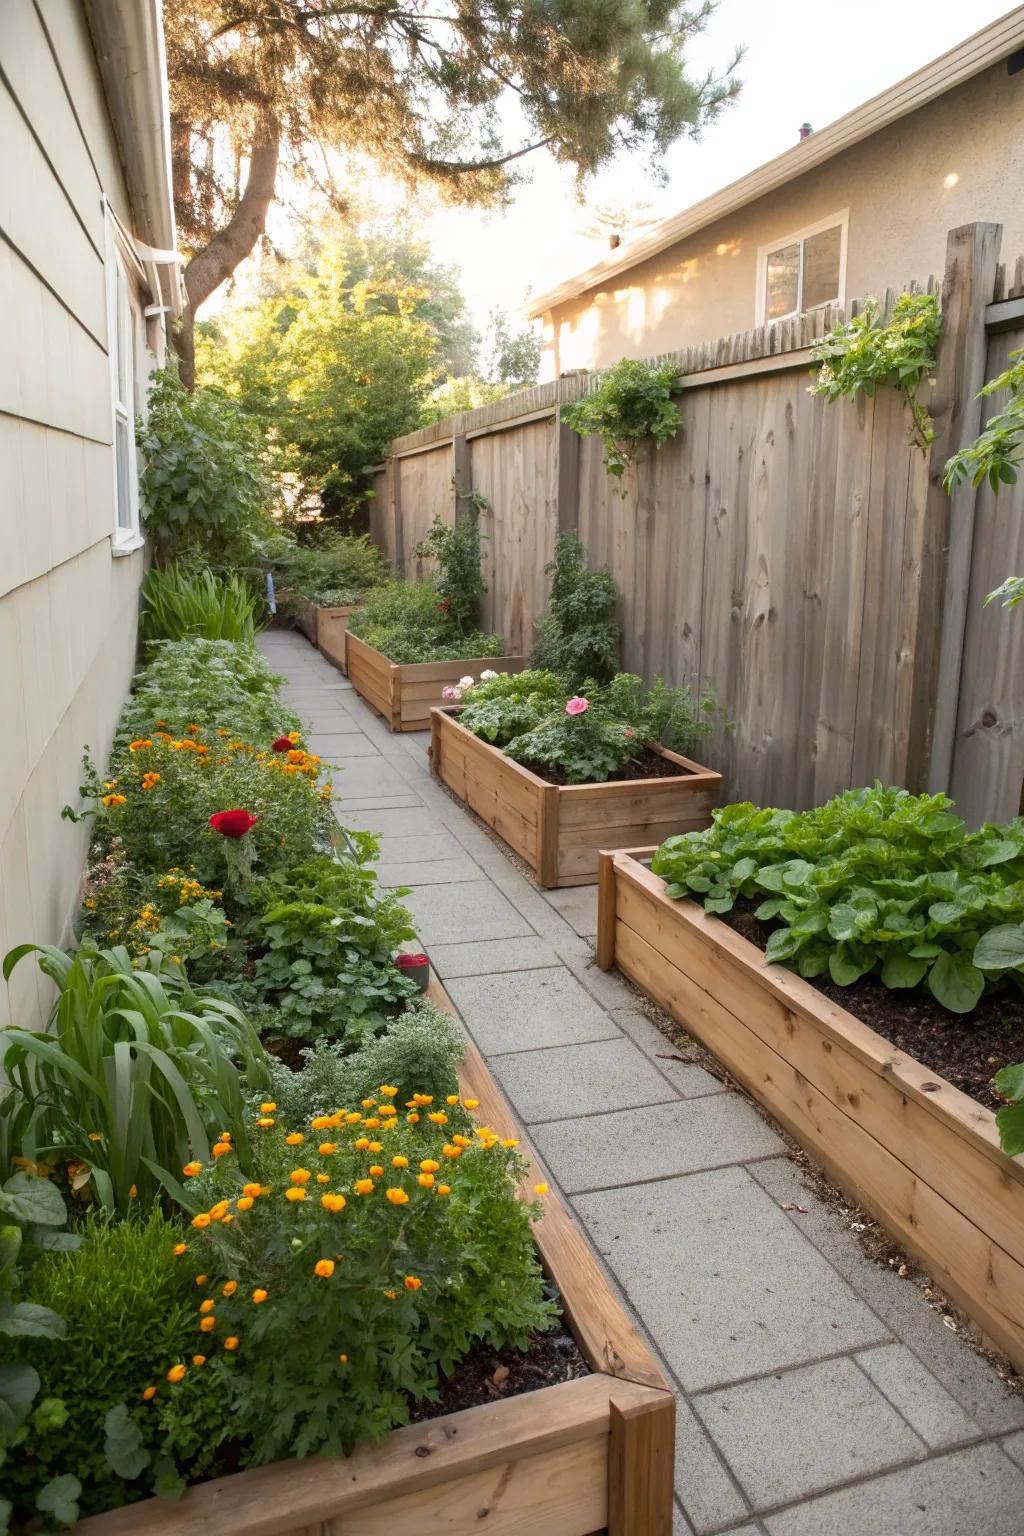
[(780, 547)]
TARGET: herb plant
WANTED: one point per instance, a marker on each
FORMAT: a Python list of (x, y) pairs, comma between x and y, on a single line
[(213, 683), (497, 709), (862, 353), (578, 637), (877, 881), (630, 407), (407, 621)]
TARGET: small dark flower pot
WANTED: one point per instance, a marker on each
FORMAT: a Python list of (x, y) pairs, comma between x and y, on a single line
[(417, 967)]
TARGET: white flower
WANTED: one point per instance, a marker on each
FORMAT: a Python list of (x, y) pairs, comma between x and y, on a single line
[(465, 682), (487, 674), (450, 694)]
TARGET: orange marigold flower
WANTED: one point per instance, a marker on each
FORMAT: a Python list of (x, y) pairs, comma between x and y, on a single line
[(422, 1099), (372, 1123), (176, 1373), (229, 1288), (443, 1189), (413, 1118), (198, 1359), (391, 1295), (452, 1098), (363, 1186), (438, 1117), (252, 1190), (387, 1112), (208, 1323), (429, 1166), (295, 1194), (207, 1305), (451, 1152), (397, 1196), (245, 1202), (471, 1103), (265, 1121), (343, 1359), (510, 1141), (219, 1211), (462, 1141), (111, 800), (300, 1176), (259, 1296), (353, 1118), (368, 1103), (268, 1107), (425, 1180), (399, 1162), (375, 1146), (201, 1279), (201, 1221), (222, 1148), (179, 1248), (388, 1090), (323, 1178), (138, 744), (231, 1342), (148, 1393), (362, 1145), (327, 1148), (294, 1139), (412, 1283), (375, 1170), (324, 1268), (333, 1202)]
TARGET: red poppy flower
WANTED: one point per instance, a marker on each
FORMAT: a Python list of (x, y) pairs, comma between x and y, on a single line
[(233, 823), (283, 744)]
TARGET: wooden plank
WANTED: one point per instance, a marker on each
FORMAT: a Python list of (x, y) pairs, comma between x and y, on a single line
[(567, 499), (972, 255), (606, 915), (640, 1466), (451, 671), (331, 632), (547, 840)]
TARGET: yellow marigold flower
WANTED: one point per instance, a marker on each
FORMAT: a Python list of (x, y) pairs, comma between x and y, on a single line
[(352, 1118), (413, 1118), (452, 1098), (179, 1248), (90, 902), (412, 1283), (323, 1178), (229, 1288), (387, 1090), (231, 1342), (324, 1268), (320, 1122), (343, 1359), (201, 1279), (227, 1220), (327, 1148), (294, 736), (111, 800), (391, 1295), (451, 1152), (265, 1121), (368, 1103), (426, 1180), (399, 1162), (207, 1305), (510, 1141), (222, 1148), (252, 1190), (462, 1141), (397, 1196), (244, 1202), (208, 1323), (219, 1211), (420, 1100), (268, 1107), (333, 1202), (429, 1166), (372, 1123), (363, 1144), (375, 1146), (294, 1139), (198, 1360), (300, 1176), (443, 1189), (176, 1373), (471, 1103), (295, 1194), (148, 1393), (363, 1186), (540, 1189), (259, 1296), (201, 1221), (387, 1111)]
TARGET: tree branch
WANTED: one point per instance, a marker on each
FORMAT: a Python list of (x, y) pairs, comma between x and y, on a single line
[(429, 164), (230, 245)]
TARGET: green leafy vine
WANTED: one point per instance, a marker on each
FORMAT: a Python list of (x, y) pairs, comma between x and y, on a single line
[(631, 407), (860, 354)]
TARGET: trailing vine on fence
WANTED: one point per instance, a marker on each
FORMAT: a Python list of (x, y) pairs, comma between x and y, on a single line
[(631, 407), (860, 354), (996, 452)]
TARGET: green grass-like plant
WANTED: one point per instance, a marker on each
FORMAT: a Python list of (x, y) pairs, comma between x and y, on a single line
[(180, 602)]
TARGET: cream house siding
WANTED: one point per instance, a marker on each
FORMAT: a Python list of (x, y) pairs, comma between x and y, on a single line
[(67, 606), (958, 159)]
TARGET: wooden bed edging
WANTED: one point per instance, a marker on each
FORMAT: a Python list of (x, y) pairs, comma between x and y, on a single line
[(560, 829), (923, 1157), (326, 628), (583, 1456), (405, 694)]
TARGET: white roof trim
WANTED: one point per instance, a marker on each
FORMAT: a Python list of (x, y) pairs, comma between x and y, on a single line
[(987, 47)]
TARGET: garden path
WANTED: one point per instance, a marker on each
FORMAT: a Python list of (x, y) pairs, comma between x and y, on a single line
[(818, 1394)]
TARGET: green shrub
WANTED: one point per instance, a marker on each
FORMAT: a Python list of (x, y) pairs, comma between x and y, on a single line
[(576, 744), (404, 620), (210, 683), (630, 407), (133, 1075), (877, 881), (359, 1280), (205, 486), (499, 708), (675, 717), (460, 582), (336, 570), (183, 603), (130, 1307), (578, 637)]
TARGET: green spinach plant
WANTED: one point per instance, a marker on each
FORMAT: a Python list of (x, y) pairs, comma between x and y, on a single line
[(863, 353), (877, 881), (630, 407)]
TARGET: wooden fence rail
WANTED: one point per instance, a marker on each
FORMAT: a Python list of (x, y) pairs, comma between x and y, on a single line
[(800, 555)]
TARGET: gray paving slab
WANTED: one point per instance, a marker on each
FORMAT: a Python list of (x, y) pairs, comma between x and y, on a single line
[(1013, 1445), (491, 958), (923, 1401), (722, 1279), (407, 802), (345, 748), (580, 1080), (975, 1492), (471, 909), (337, 740), (708, 1493), (688, 1077), (662, 1140), (788, 1436), (413, 820), (526, 1010), (426, 871), (363, 779), (420, 849), (578, 905)]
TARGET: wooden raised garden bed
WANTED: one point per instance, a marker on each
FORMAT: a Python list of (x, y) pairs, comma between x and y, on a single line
[(405, 694), (326, 628), (560, 829), (588, 1455), (918, 1153)]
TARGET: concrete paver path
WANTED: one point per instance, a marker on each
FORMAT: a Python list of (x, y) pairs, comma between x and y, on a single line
[(817, 1394)]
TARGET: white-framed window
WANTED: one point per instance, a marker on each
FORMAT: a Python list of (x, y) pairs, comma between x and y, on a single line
[(125, 342), (802, 271)]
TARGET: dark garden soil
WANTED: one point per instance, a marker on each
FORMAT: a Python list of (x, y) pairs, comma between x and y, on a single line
[(646, 765), (487, 1375), (967, 1050)]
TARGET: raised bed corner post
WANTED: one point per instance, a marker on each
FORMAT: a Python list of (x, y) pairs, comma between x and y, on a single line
[(972, 256), (605, 955), (641, 1456)]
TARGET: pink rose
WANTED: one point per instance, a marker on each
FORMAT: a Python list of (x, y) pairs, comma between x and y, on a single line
[(577, 706), (450, 694), (629, 733)]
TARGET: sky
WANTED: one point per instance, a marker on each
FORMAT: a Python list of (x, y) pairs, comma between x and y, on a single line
[(805, 61)]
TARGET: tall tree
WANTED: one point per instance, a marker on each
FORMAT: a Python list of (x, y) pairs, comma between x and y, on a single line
[(454, 91)]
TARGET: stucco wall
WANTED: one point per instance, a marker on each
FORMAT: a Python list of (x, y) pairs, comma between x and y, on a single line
[(900, 208), (67, 606)]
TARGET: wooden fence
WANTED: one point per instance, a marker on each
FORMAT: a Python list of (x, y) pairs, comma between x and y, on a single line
[(802, 556)]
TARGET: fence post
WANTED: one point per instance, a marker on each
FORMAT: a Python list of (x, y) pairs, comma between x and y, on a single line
[(972, 255), (567, 480), (462, 477), (396, 501)]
